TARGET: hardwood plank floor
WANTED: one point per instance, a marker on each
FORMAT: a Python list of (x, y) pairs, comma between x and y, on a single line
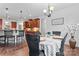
[(19, 50), (22, 50), (71, 52)]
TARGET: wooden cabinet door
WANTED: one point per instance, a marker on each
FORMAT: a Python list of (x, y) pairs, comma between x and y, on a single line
[(0, 24), (31, 23), (37, 22), (13, 25), (26, 24)]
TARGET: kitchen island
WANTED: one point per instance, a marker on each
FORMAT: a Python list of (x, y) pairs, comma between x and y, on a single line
[(13, 43)]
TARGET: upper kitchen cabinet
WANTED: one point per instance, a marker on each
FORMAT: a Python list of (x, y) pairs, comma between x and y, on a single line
[(1, 24), (32, 23), (13, 25)]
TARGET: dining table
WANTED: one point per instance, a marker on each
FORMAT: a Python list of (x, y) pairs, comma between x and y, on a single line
[(50, 44)]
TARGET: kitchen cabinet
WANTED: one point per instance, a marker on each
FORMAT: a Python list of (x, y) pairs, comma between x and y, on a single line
[(13, 25), (1, 24), (31, 23)]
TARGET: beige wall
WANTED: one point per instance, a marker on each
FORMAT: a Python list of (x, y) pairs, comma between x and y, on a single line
[(71, 16)]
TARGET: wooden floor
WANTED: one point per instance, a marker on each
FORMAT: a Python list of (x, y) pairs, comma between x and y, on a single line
[(19, 50), (22, 50), (71, 52)]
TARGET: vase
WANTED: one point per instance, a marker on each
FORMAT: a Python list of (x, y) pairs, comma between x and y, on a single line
[(72, 42)]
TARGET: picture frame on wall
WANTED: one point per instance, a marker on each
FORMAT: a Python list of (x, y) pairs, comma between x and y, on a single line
[(58, 21)]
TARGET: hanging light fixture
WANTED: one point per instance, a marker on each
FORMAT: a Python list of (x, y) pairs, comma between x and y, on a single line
[(29, 13), (21, 14), (6, 13), (48, 11)]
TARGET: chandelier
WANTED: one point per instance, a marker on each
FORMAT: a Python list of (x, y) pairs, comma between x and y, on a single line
[(48, 12)]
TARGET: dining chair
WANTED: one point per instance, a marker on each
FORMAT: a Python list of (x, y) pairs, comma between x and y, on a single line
[(8, 32), (2, 40), (56, 33), (10, 38), (21, 32), (20, 36), (49, 33), (42, 52), (19, 39), (61, 50)]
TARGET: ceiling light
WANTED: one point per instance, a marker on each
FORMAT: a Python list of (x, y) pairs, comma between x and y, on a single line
[(48, 12), (6, 22)]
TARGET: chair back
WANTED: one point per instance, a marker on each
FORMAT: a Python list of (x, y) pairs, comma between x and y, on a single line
[(8, 32), (56, 33), (10, 38), (1, 32), (49, 33), (10, 41), (20, 36), (62, 43), (2, 40), (21, 32)]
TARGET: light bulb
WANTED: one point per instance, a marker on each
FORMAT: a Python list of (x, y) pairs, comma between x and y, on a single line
[(45, 11), (51, 8), (6, 22), (30, 15)]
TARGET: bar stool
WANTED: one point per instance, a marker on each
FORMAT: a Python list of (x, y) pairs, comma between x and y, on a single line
[(2, 41), (21, 33), (10, 38), (20, 37)]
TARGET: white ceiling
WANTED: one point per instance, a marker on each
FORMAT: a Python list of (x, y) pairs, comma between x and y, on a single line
[(35, 9)]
